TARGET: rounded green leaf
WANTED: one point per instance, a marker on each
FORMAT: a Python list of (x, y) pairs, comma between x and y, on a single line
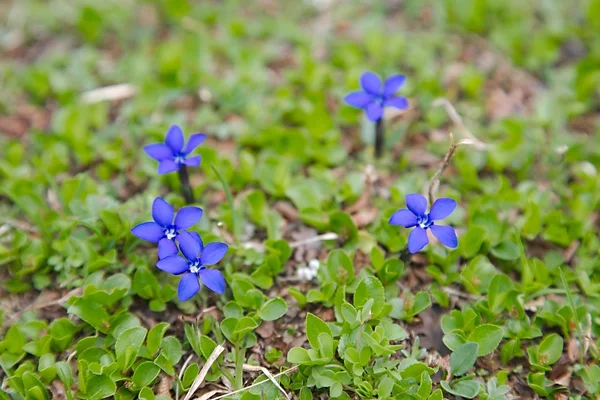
[(145, 374), (463, 358), (550, 349), (370, 288), (273, 309), (488, 337)]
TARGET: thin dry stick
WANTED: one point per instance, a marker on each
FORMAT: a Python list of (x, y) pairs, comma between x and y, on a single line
[(265, 371), (457, 120), (287, 371), (325, 236), (202, 374), (435, 181)]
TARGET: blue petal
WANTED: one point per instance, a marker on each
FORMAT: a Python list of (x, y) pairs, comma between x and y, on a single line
[(162, 212), (445, 234), (399, 102), (195, 140), (374, 111), (403, 218), (188, 287), (188, 245), (174, 139), (416, 203), (417, 239), (166, 248), (371, 83), (149, 231), (392, 84), (196, 236), (166, 166), (441, 208), (175, 265), (187, 217), (358, 99), (193, 161), (159, 151), (213, 280), (213, 253)]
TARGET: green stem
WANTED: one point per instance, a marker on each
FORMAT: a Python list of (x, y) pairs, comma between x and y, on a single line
[(227, 374), (572, 304), (240, 357)]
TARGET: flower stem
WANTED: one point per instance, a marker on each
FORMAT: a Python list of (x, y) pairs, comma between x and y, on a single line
[(240, 355), (186, 189), (405, 254), (379, 139)]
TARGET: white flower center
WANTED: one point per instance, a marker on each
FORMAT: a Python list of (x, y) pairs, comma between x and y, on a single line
[(170, 233), (194, 268)]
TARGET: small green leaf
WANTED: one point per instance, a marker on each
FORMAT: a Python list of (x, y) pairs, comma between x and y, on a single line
[(128, 345), (100, 387), (315, 326), (488, 337), (273, 309), (467, 389), (550, 349), (370, 288), (145, 374), (155, 336), (463, 358)]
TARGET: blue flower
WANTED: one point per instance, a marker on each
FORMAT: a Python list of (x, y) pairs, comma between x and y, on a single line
[(193, 266), (416, 215), (375, 96), (166, 226), (171, 155)]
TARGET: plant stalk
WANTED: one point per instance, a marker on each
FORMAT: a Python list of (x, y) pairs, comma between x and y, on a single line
[(186, 189), (379, 138), (240, 355)]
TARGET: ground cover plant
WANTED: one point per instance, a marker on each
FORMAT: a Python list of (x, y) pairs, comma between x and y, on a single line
[(308, 199)]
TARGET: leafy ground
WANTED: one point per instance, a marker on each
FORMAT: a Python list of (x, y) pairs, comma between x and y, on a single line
[(514, 312)]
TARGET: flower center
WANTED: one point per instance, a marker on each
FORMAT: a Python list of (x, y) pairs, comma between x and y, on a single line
[(170, 233), (424, 221), (179, 158), (195, 267)]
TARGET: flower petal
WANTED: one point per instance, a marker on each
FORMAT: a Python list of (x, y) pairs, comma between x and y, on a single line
[(196, 236), (213, 253), (416, 203), (166, 166), (188, 245), (188, 287), (195, 140), (212, 279), (392, 84), (166, 248), (358, 99), (193, 161), (374, 111), (417, 239), (149, 231), (445, 234), (162, 212), (174, 138), (173, 264), (159, 151), (441, 208), (371, 83), (403, 218), (399, 102), (187, 217)]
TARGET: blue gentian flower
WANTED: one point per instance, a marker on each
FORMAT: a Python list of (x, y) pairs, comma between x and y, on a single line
[(166, 226), (375, 96), (416, 215), (171, 155), (193, 266)]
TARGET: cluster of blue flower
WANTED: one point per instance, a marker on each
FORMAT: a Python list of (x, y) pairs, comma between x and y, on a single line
[(170, 230)]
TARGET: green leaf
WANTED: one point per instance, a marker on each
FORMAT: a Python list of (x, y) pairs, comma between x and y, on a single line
[(91, 312), (298, 355), (273, 309), (467, 388), (155, 337), (370, 288), (145, 374), (498, 293), (463, 358), (128, 345), (488, 337), (100, 387), (315, 326), (244, 326), (550, 349)]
